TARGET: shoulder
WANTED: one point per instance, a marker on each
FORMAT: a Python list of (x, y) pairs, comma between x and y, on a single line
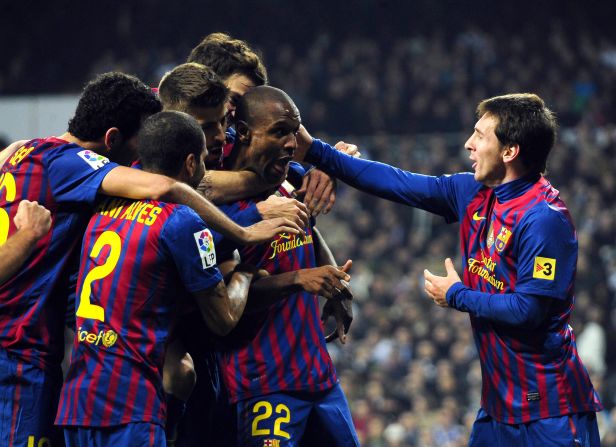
[(547, 215)]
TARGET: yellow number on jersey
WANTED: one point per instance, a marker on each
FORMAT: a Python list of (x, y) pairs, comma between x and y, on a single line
[(266, 414), (86, 309), (7, 185), (267, 407)]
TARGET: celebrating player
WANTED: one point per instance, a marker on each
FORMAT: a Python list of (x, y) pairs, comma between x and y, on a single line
[(241, 69), (139, 261), (65, 175), (275, 363), (519, 253)]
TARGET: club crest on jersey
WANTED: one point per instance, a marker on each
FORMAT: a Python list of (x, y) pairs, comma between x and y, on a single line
[(95, 160), (271, 443), (205, 245), (502, 239)]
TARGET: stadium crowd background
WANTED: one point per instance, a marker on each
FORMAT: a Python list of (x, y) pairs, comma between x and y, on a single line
[(404, 90)]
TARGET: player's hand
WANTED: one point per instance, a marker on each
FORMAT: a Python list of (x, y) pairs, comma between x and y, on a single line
[(304, 141), (276, 206), (32, 217), (267, 229), (319, 190), (437, 286), (326, 280), (348, 148), (341, 308)]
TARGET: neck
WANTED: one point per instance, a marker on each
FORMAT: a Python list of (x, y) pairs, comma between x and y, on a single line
[(511, 173), (97, 146), (235, 161)]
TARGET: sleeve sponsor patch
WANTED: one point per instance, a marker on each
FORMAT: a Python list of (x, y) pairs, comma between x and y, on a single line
[(95, 160), (205, 245), (544, 268)]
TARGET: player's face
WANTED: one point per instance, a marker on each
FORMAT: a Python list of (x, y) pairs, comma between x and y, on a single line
[(273, 141), (238, 85), (486, 152), (214, 124)]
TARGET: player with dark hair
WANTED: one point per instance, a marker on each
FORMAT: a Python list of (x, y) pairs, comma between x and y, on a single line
[(238, 65), (150, 256), (519, 253), (65, 175), (275, 363), (241, 69)]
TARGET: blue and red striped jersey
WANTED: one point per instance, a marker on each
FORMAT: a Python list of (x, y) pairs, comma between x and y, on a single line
[(65, 179), (520, 237), (139, 259), (283, 347), (515, 238)]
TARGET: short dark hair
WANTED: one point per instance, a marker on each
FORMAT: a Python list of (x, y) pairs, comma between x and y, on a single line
[(112, 100), (525, 120), (228, 56), (166, 139), (191, 85)]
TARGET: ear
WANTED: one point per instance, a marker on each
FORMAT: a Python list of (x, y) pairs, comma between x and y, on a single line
[(113, 137), (511, 153), (190, 164), (243, 132)]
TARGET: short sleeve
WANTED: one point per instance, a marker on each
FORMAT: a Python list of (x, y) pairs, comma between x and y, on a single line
[(191, 246), (547, 253), (75, 174)]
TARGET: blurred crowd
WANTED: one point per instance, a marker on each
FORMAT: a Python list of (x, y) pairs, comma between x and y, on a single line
[(409, 368)]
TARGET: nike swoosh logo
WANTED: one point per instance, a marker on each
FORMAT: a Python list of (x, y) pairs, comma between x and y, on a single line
[(477, 216)]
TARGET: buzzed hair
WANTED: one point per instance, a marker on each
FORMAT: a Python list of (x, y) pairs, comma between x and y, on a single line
[(228, 56), (191, 85), (166, 139), (525, 120), (250, 105)]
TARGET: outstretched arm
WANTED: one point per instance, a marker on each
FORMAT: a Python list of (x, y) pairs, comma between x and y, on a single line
[(230, 186), (135, 184)]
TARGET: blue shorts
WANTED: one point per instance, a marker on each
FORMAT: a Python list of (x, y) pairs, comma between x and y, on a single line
[(574, 430), (283, 419), (142, 434), (28, 403)]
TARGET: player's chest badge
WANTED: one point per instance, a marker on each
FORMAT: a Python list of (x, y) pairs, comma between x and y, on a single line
[(502, 239)]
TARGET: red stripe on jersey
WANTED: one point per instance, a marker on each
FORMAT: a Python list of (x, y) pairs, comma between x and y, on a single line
[(16, 401)]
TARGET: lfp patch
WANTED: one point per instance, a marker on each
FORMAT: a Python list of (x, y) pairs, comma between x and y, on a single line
[(205, 245), (96, 161)]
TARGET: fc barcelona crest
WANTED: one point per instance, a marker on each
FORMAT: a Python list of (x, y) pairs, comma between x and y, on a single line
[(502, 239)]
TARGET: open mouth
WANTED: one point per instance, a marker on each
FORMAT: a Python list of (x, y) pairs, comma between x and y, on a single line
[(280, 166)]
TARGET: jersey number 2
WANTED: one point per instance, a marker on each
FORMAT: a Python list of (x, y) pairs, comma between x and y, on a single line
[(86, 309)]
